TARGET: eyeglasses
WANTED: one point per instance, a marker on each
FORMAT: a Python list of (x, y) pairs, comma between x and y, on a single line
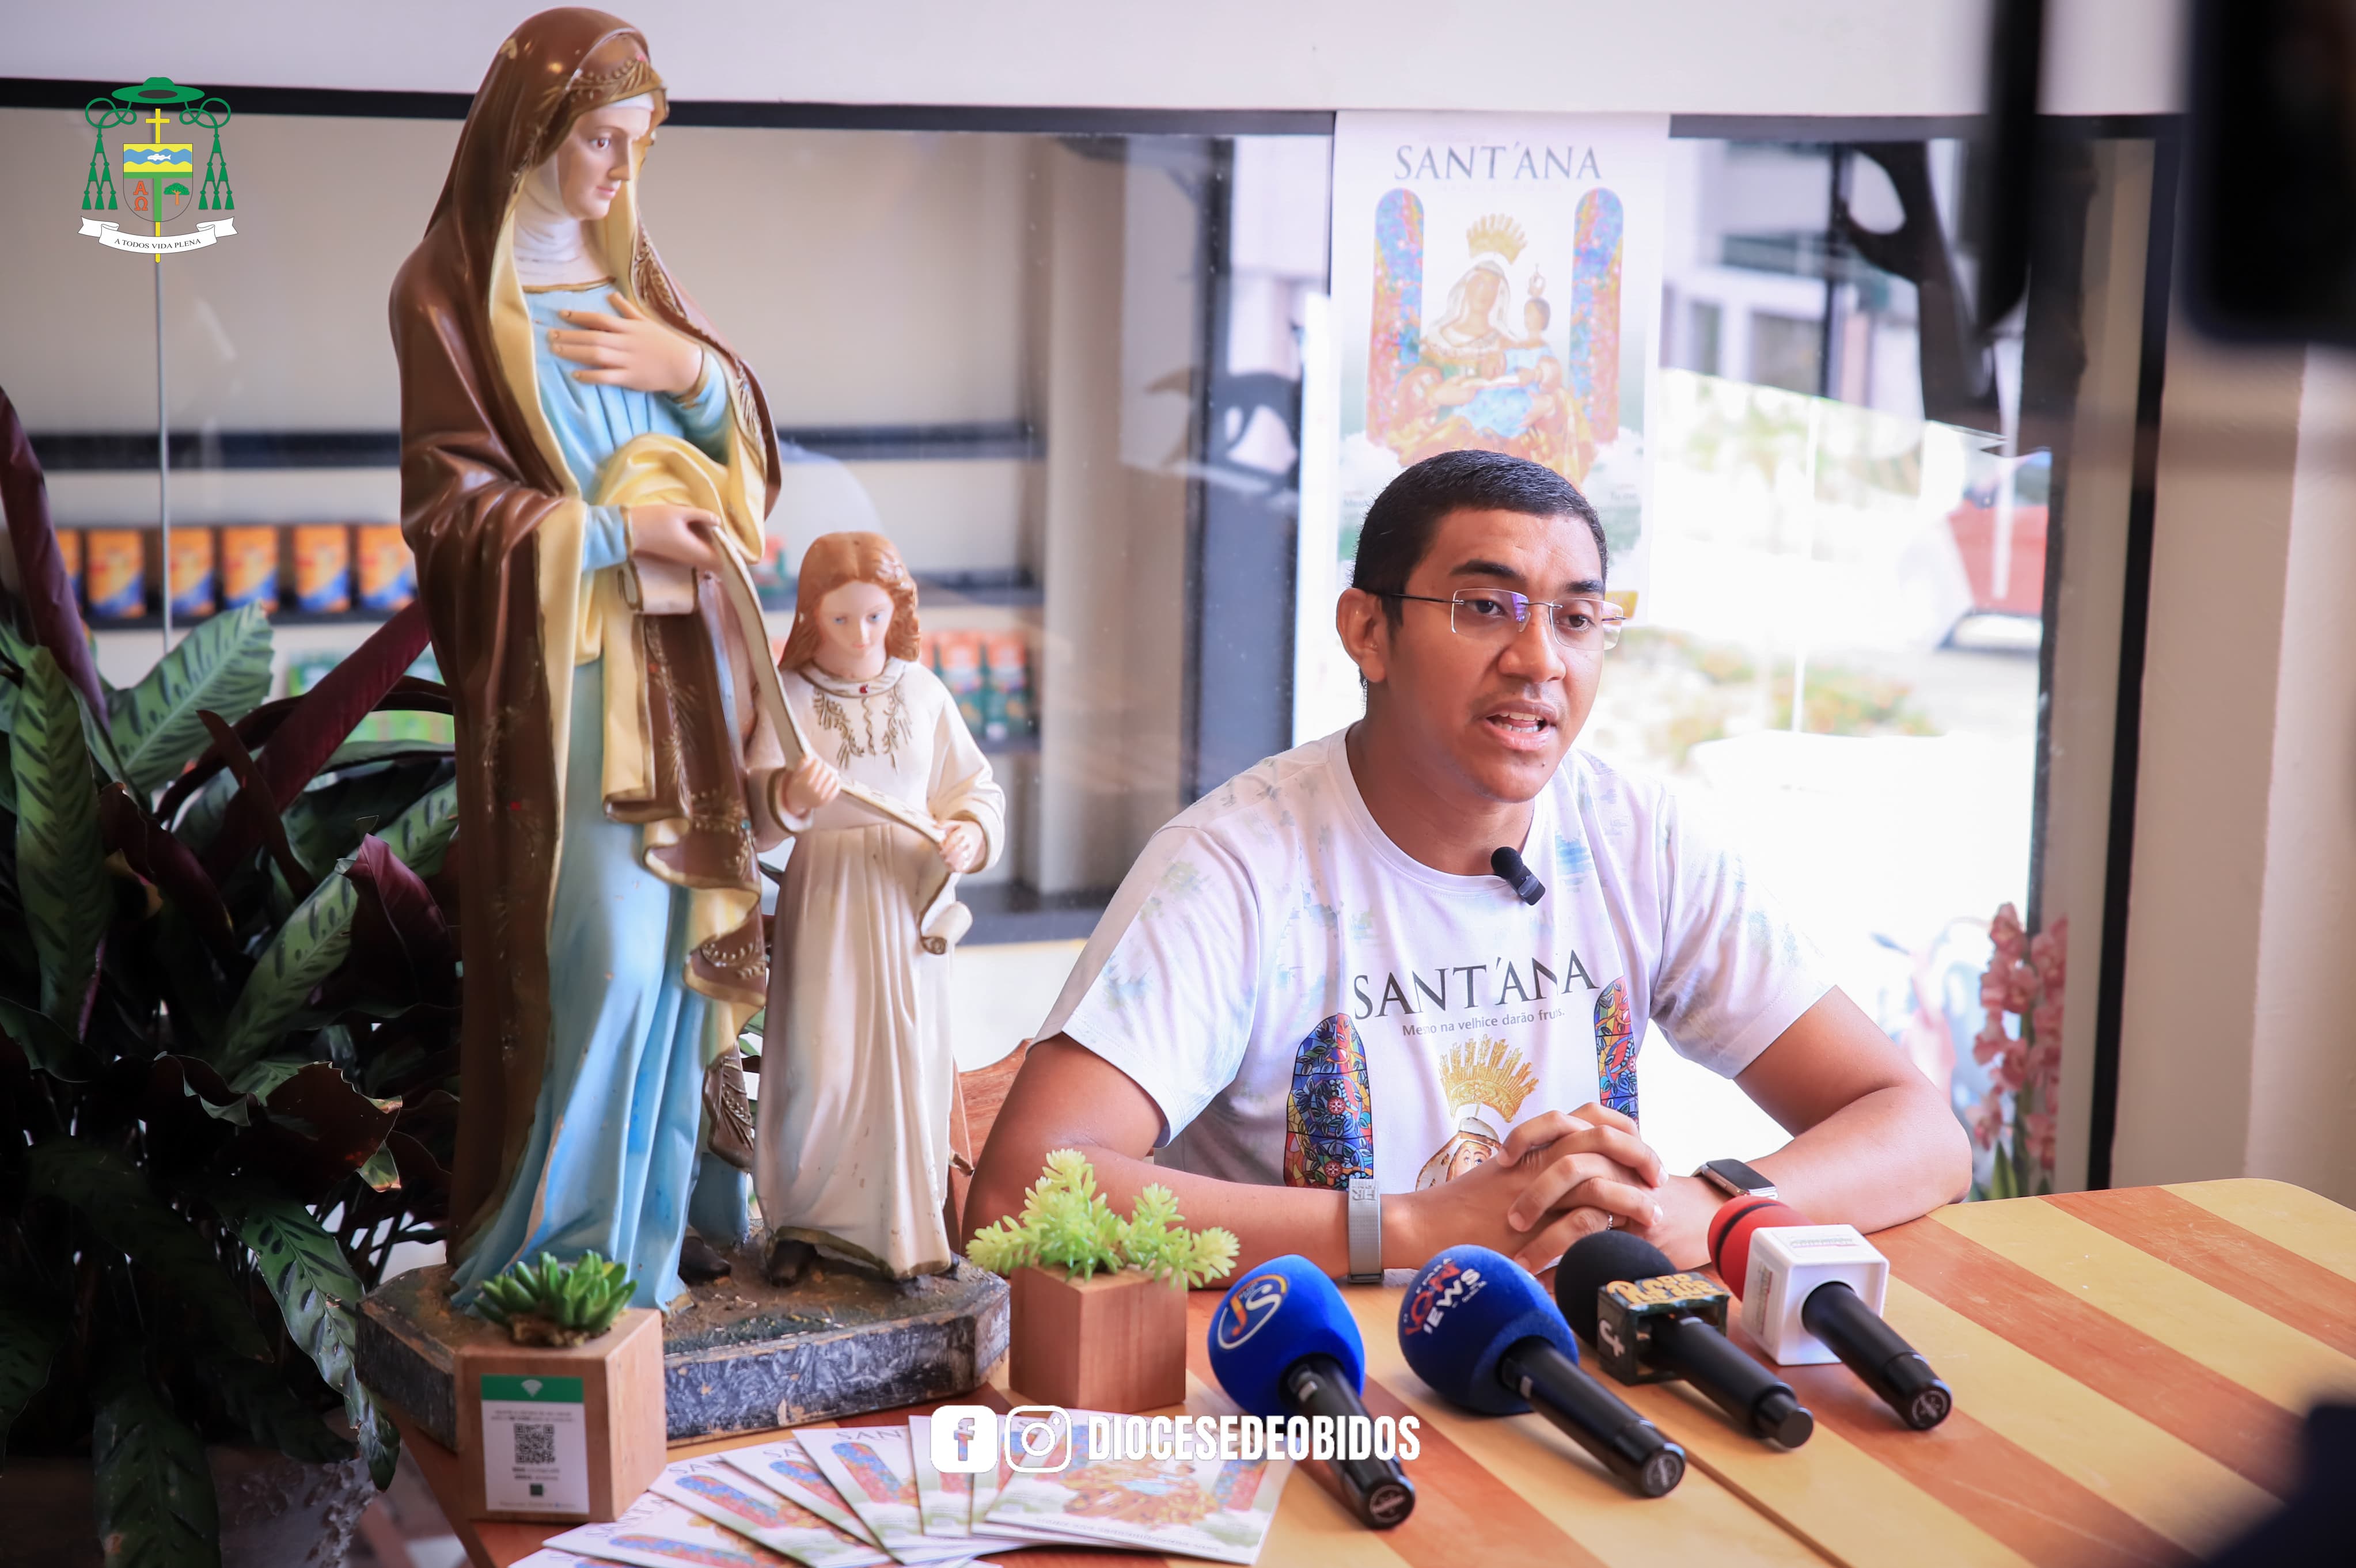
[(1499, 615)]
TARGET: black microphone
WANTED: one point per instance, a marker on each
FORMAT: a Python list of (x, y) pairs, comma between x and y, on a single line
[(1478, 1329), (1507, 864), (1651, 1323)]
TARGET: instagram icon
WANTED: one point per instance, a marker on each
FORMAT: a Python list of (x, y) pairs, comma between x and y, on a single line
[(1038, 1438)]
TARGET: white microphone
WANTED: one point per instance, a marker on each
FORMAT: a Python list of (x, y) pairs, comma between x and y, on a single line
[(1813, 1293)]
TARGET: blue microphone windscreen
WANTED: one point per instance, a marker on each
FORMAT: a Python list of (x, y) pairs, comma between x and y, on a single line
[(1464, 1311), (1278, 1313)]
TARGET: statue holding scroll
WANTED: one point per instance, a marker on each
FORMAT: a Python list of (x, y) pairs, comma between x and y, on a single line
[(857, 1077), (583, 464), (586, 470)]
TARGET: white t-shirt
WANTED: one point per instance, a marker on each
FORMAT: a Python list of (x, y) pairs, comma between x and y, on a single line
[(1303, 1000)]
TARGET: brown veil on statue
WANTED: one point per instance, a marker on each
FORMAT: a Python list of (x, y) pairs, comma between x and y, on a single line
[(579, 454)]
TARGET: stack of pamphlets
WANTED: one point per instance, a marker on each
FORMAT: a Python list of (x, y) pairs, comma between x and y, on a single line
[(866, 1496)]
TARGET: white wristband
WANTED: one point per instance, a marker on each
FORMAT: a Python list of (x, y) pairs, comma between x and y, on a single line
[(1366, 1231)]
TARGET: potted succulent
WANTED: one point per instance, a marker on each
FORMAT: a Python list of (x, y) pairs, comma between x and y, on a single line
[(228, 1023), (1099, 1302), (554, 1304), (577, 1355)]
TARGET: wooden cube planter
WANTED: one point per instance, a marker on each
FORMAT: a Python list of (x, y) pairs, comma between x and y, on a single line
[(1115, 1341), (598, 1406)]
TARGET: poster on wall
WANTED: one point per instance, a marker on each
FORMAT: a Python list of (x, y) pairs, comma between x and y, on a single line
[(1496, 284)]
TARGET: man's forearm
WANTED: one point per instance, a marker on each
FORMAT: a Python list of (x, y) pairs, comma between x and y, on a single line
[(1882, 1159)]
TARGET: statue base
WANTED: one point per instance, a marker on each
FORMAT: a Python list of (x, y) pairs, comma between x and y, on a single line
[(738, 1355)]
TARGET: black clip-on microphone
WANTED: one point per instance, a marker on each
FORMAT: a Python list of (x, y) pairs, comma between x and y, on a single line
[(1507, 863)]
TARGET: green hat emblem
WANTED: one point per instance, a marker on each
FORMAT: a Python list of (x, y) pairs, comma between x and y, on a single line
[(157, 89)]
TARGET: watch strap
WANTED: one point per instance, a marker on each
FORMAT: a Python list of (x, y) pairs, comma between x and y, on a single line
[(1366, 1210)]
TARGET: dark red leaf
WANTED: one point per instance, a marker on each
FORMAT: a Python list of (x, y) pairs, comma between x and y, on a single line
[(423, 1181), (402, 950), (312, 1131), (445, 886), (180, 1133), (408, 695), (429, 1116), (252, 809), (150, 849), (321, 719), (40, 569)]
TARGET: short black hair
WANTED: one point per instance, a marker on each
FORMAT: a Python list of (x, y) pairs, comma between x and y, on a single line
[(1399, 525)]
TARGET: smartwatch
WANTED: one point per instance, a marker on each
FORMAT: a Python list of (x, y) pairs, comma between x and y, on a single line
[(1366, 1232), (1736, 1179)]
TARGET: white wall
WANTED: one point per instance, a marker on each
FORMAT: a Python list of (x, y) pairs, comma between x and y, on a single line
[(869, 277), (2235, 1056), (1722, 57)]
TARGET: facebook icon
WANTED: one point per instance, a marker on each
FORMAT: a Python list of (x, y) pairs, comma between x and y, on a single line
[(965, 1439)]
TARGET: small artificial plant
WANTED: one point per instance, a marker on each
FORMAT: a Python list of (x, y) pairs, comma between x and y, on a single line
[(1067, 1222), (555, 1303)]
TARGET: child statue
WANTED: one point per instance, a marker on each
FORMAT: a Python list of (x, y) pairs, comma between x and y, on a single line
[(857, 1077), (578, 445)]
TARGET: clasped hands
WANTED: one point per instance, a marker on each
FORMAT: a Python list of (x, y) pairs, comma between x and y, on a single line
[(1562, 1176), (815, 784)]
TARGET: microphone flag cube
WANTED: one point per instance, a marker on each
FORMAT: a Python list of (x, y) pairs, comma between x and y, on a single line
[(1787, 1263), (1626, 1312)]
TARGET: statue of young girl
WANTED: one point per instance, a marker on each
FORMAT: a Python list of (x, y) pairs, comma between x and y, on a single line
[(577, 445), (857, 1075)]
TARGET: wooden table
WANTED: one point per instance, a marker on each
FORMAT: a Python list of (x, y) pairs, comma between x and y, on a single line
[(2130, 1370)]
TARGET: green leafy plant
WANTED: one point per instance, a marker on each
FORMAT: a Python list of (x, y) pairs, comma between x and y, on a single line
[(556, 1304), (228, 1042), (1067, 1223)]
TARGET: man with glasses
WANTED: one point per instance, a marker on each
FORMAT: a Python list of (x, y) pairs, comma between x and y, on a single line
[(1385, 993)]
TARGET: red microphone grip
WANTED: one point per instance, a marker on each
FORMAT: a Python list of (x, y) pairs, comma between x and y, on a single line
[(1730, 1230)]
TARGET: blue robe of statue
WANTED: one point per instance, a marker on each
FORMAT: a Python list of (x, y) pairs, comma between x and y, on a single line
[(626, 1034)]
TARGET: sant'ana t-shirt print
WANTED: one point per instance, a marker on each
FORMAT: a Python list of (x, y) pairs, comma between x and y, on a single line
[(1304, 1001)]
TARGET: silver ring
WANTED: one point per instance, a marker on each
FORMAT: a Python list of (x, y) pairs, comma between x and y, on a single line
[(1610, 1222)]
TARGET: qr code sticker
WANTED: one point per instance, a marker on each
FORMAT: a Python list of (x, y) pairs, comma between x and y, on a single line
[(535, 1443)]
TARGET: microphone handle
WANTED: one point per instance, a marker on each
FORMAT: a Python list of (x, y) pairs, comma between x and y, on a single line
[(1869, 1347), (1592, 1416), (1754, 1398), (1377, 1490)]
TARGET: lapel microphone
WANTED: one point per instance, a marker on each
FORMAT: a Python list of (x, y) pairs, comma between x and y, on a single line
[(1507, 864)]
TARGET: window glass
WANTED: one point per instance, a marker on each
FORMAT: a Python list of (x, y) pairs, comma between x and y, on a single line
[(1061, 372), (1840, 651)]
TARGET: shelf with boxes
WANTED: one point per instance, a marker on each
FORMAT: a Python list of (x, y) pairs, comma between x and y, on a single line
[(318, 572)]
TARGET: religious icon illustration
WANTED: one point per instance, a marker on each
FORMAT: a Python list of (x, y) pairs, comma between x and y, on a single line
[(734, 1499), (1160, 1492), (853, 1153), (1486, 1082), (876, 1478), (157, 172), (1615, 1051), (1329, 1119), (1481, 372)]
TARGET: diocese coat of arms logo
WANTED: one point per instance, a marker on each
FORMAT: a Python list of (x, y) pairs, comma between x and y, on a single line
[(159, 184)]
